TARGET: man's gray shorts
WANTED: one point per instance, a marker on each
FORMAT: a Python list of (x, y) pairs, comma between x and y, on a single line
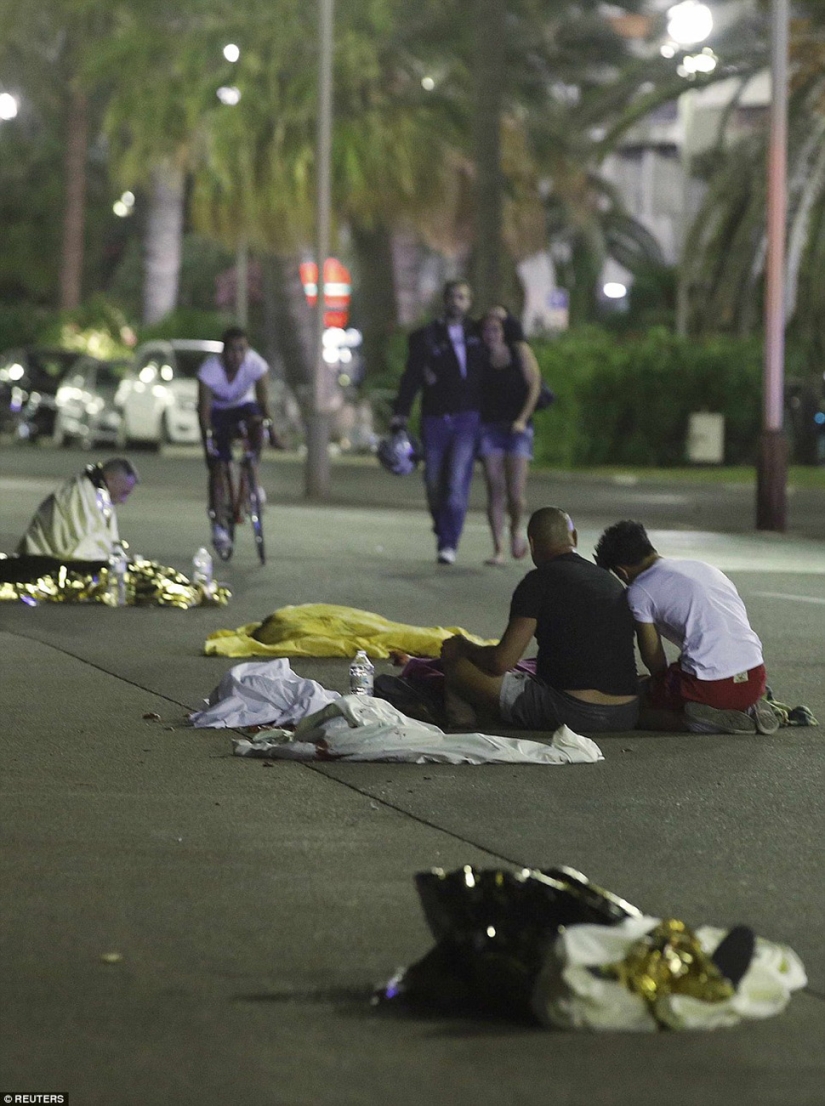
[(527, 702)]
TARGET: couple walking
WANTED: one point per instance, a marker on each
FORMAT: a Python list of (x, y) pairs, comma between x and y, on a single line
[(479, 385)]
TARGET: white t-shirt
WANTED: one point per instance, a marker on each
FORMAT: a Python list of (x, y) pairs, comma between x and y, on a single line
[(696, 606), (459, 341), (240, 390)]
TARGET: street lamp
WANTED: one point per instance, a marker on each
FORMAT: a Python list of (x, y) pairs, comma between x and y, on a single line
[(688, 24), (8, 106), (316, 484)]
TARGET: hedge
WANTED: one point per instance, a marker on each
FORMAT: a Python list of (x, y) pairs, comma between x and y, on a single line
[(627, 400)]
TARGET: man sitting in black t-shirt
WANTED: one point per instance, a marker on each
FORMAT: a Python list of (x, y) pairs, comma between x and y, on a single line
[(586, 668)]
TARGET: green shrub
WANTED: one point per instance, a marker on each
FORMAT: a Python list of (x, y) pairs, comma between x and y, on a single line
[(21, 324), (567, 363), (635, 410), (189, 322)]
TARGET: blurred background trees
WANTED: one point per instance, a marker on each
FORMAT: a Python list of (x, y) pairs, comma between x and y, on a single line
[(150, 166)]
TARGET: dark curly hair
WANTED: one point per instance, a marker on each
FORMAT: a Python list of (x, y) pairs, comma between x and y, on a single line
[(623, 543)]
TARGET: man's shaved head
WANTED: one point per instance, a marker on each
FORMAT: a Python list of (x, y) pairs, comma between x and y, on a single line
[(550, 531)]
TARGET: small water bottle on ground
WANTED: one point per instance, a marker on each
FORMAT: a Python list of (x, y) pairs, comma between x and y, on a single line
[(361, 673), (202, 569), (118, 565)]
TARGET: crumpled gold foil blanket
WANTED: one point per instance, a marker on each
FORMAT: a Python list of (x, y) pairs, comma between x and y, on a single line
[(670, 961), (148, 584)]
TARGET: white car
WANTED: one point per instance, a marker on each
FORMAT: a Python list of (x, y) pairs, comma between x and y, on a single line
[(159, 398), (85, 403)]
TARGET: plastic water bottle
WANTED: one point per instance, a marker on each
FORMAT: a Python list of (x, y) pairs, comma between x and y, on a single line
[(361, 673), (118, 564), (202, 569)]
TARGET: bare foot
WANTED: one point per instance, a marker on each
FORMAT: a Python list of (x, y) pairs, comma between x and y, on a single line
[(496, 559), (459, 713), (518, 546)]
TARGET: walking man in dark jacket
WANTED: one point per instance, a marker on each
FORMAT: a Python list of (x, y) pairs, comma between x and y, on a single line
[(444, 363)]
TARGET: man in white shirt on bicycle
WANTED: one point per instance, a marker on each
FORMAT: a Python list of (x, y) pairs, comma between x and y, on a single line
[(232, 393)]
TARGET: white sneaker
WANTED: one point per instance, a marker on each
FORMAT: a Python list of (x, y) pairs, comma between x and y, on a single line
[(765, 717), (446, 556), (221, 539), (702, 718)]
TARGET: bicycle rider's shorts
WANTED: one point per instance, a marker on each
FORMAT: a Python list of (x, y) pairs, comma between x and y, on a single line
[(225, 426)]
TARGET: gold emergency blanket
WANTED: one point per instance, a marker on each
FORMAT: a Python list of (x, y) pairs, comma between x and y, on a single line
[(327, 630), (670, 960), (148, 584)]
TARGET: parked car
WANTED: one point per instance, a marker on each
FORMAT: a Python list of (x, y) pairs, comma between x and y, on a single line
[(85, 402), (29, 379), (159, 398)]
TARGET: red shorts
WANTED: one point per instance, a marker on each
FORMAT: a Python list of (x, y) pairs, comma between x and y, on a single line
[(671, 689)]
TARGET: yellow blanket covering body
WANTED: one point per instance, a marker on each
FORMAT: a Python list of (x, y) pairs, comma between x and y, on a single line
[(327, 630)]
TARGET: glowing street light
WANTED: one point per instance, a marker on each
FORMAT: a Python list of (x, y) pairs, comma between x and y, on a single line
[(229, 94), (8, 105), (613, 290), (692, 64), (689, 22), (125, 205)]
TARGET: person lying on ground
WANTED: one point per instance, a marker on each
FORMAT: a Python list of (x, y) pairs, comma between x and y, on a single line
[(717, 683), (78, 521), (585, 670)]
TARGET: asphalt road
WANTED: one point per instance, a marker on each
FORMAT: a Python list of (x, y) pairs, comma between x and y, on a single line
[(252, 910)]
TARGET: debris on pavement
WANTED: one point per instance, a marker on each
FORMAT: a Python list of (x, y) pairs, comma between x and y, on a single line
[(551, 947)]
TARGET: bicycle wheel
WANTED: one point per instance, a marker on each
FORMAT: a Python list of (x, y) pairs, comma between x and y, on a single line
[(227, 516), (255, 515)]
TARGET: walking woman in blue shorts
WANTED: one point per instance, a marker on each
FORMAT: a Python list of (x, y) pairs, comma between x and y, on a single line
[(510, 386)]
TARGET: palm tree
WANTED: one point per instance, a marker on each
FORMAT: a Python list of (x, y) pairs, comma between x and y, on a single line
[(161, 66), (47, 45), (729, 237), (389, 143)]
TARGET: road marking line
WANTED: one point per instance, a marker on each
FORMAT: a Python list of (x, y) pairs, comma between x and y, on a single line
[(782, 595)]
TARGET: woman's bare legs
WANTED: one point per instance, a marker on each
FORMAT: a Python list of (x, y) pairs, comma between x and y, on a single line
[(496, 498), (515, 470)]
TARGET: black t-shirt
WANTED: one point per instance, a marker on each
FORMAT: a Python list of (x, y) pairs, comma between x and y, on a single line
[(503, 391), (584, 626)]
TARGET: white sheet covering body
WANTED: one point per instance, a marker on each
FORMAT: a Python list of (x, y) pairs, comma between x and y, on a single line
[(361, 728), (261, 693)]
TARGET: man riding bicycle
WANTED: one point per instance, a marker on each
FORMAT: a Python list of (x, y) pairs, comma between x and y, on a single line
[(232, 390)]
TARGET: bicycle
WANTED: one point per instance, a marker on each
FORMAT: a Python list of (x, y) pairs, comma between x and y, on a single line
[(242, 495)]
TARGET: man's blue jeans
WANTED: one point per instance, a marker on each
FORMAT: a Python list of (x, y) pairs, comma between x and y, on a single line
[(449, 454)]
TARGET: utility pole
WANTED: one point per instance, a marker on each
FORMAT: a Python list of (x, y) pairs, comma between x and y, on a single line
[(489, 64), (772, 468), (317, 462)]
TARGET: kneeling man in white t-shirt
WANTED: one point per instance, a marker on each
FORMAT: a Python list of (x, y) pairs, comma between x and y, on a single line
[(717, 684)]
